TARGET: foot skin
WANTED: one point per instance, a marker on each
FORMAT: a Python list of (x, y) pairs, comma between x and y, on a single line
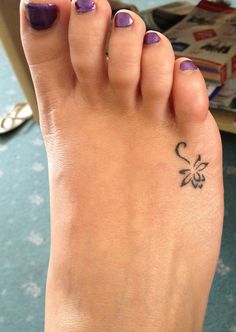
[(135, 169)]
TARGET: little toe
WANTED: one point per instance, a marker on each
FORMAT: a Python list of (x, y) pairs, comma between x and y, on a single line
[(190, 98), (89, 26), (44, 34), (125, 51), (157, 73)]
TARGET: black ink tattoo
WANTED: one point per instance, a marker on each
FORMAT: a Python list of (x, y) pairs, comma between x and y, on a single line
[(193, 173)]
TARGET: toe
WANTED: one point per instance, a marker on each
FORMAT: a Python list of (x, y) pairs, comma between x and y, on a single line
[(44, 34), (125, 50), (89, 26), (157, 72), (190, 98)]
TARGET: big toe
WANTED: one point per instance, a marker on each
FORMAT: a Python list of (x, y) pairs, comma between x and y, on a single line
[(44, 34)]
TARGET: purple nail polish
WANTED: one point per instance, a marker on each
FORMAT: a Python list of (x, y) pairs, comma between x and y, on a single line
[(123, 20), (151, 38), (41, 16), (84, 6), (188, 65)]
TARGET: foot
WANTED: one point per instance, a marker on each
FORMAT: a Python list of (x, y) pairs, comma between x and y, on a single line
[(135, 171)]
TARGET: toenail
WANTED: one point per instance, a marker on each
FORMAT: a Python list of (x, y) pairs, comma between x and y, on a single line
[(123, 20), (41, 16), (151, 38), (188, 65), (84, 6)]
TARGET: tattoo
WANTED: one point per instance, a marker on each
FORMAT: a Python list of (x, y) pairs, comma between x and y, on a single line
[(192, 174)]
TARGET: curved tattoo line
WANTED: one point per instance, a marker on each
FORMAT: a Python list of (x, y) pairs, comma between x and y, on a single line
[(184, 145)]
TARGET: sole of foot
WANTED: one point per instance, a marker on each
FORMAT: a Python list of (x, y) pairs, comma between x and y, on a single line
[(135, 171)]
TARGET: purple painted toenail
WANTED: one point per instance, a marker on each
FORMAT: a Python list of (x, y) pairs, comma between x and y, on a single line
[(84, 6), (188, 65), (151, 38), (123, 20), (41, 16)]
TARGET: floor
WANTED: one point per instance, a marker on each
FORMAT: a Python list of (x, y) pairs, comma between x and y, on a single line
[(24, 224)]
